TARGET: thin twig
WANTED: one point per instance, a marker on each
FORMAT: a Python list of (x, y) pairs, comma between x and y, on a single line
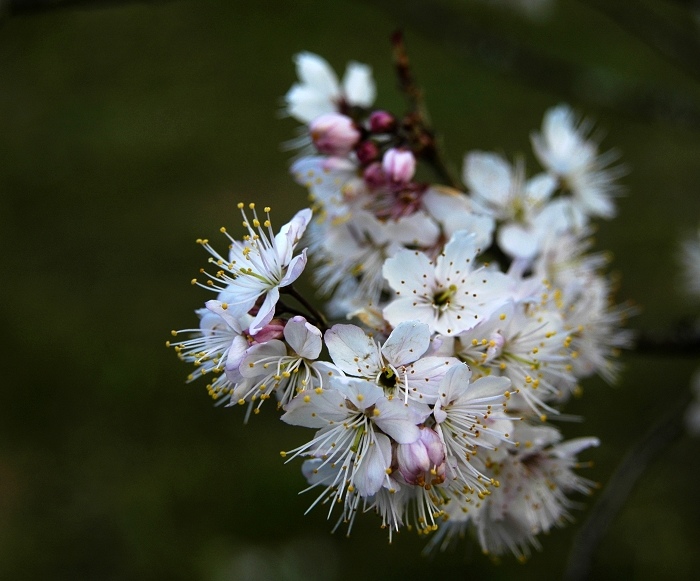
[(416, 123), (319, 317)]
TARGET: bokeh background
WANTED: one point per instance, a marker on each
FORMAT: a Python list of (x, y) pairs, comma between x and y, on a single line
[(129, 129)]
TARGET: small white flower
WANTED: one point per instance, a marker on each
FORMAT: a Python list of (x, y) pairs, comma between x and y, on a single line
[(357, 426), (285, 368), (319, 92), (523, 207), (398, 366), (535, 479), (470, 416), (258, 266), (564, 149), (451, 294), (219, 344), (528, 345)]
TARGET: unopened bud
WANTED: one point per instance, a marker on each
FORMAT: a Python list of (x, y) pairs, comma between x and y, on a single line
[(334, 134), (273, 330), (399, 165), (374, 176), (381, 122), (367, 152), (423, 461)]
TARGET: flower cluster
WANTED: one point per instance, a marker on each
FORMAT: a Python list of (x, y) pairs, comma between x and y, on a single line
[(467, 315)]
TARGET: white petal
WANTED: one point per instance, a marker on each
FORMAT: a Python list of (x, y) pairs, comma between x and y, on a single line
[(236, 353), (394, 418), (362, 393), (457, 259), (405, 272), (407, 342), (252, 364), (541, 187), (352, 350), (266, 312), (295, 268), (517, 241), (489, 176), (487, 387), (358, 84), (454, 384), (303, 337), (372, 470), (315, 71), (407, 309), (316, 410)]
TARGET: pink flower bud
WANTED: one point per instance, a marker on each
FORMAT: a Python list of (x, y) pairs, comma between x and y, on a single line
[(273, 330), (399, 165), (423, 461), (374, 176), (334, 134), (367, 152), (381, 122)]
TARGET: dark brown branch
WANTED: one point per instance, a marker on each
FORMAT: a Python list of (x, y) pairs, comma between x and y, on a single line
[(416, 124)]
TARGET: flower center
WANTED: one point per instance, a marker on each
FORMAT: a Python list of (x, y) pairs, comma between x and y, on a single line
[(441, 300), (387, 379)]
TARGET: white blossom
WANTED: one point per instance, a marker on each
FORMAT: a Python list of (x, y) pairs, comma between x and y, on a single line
[(450, 294), (258, 266), (319, 91)]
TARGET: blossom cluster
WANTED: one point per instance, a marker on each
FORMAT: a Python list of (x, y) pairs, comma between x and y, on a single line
[(467, 314)]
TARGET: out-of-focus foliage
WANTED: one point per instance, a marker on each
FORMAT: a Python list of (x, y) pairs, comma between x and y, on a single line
[(129, 129)]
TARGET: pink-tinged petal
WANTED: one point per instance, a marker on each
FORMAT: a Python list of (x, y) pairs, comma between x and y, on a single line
[(316, 410), (372, 469), (290, 234), (266, 311), (352, 350), (408, 271), (236, 354), (303, 337), (227, 315), (394, 418), (295, 268), (256, 359), (361, 393), (454, 384), (407, 342)]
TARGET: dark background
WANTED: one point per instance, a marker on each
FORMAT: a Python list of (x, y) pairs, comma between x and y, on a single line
[(129, 129)]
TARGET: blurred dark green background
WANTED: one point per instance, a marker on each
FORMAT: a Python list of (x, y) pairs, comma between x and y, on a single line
[(128, 129)]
